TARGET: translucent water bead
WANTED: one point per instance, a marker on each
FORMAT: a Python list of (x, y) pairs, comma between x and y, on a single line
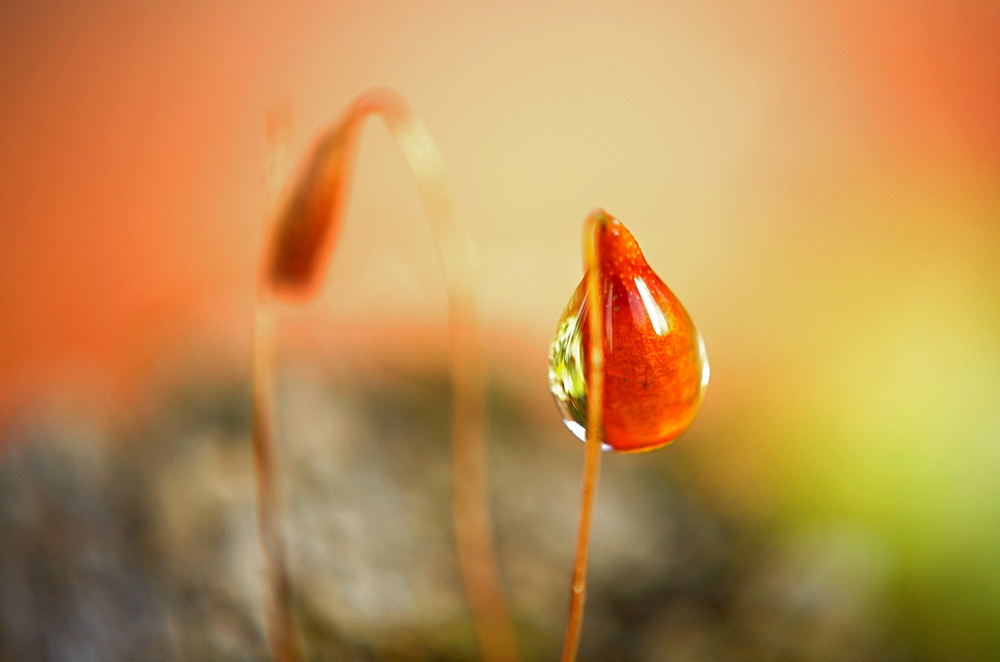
[(655, 368)]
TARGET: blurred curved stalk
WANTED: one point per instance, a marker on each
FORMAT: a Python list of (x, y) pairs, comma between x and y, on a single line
[(304, 230)]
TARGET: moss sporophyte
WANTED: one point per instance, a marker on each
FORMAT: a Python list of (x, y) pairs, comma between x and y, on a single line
[(627, 368), (301, 239)]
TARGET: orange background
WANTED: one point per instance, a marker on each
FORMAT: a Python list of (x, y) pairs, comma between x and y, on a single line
[(132, 143)]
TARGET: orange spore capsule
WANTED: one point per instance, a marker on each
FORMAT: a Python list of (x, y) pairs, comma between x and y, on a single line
[(655, 368)]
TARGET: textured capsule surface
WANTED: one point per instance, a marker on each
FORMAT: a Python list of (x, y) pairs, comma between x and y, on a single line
[(655, 368)]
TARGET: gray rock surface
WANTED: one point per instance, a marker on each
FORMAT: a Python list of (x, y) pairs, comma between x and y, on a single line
[(145, 547)]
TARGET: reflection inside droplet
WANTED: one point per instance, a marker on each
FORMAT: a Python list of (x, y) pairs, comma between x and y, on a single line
[(654, 312)]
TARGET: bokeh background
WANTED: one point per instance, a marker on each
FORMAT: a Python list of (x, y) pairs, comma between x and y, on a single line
[(818, 182)]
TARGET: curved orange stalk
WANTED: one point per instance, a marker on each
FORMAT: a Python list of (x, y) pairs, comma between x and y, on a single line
[(627, 363), (304, 230)]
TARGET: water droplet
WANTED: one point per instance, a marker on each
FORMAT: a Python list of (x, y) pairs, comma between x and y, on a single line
[(655, 368)]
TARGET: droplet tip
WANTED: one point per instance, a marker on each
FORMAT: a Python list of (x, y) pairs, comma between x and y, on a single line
[(600, 219)]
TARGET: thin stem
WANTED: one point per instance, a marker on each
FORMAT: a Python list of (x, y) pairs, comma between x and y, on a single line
[(301, 244), (280, 625), (592, 459)]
